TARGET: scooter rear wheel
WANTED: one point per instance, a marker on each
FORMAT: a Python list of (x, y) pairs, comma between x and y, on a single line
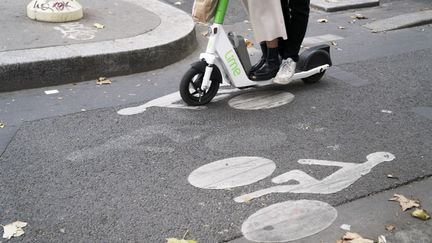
[(318, 58), (190, 88)]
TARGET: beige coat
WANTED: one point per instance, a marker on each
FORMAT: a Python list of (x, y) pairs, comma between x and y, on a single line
[(266, 18)]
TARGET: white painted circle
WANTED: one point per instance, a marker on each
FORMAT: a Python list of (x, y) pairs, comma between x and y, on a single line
[(232, 172), (261, 100), (287, 221)]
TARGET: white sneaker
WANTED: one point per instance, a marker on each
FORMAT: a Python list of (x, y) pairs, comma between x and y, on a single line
[(286, 71)]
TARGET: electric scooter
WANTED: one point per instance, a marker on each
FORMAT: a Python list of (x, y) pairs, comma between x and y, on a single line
[(227, 60)]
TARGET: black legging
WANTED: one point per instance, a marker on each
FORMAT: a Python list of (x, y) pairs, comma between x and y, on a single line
[(296, 15)]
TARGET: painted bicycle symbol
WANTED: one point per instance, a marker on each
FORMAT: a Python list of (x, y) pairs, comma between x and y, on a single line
[(284, 221)]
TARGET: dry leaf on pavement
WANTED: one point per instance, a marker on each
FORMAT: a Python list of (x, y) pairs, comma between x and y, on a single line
[(358, 16), (350, 237), (421, 214), (249, 43), (2, 125), (103, 80), (174, 240), (13, 229), (322, 20), (390, 227), (404, 202)]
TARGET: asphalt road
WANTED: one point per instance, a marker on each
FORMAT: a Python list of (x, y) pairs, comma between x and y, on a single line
[(98, 176)]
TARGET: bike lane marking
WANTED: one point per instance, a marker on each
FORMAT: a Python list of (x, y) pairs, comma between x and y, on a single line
[(339, 180), (232, 172), (253, 100), (261, 100), (289, 220)]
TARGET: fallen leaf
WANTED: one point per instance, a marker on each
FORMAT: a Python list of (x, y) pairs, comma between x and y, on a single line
[(103, 80), (350, 237), (390, 228), (98, 26), (322, 20), (249, 43), (2, 125), (13, 229), (358, 16), (174, 240), (404, 202), (341, 27), (421, 214)]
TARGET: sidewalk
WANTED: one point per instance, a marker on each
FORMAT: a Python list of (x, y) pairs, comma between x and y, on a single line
[(369, 217), (139, 35)]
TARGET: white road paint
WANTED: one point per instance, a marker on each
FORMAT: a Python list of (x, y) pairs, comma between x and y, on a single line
[(232, 172), (339, 180), (76, 31), (249, 101), (53, 91), (261, 100), (387, 111), (287, 221), (141, 140), (314, 40), (170, 101)]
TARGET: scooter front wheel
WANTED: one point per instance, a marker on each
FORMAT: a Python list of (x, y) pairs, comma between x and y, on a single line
[(190, 88)]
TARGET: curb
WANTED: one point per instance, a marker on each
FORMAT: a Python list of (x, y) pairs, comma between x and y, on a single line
[(171, 41), (333, 6), (401, 21)]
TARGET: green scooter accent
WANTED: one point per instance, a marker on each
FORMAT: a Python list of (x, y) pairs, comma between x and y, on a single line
[(221, 11)]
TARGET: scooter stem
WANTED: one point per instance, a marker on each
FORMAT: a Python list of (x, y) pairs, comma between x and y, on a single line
[(221, 11)]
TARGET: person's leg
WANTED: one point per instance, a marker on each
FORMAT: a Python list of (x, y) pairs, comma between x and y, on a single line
[(263, 58), (271, 66), (296, 16)]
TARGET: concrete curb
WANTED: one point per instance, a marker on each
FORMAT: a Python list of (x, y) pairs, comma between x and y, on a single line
[(171, 41), (333, 6), (401, 21)]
